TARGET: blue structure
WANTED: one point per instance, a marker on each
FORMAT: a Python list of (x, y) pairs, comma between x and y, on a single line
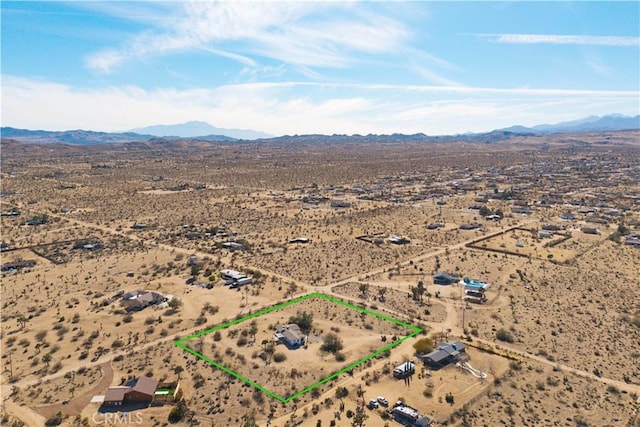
[(474, 285)]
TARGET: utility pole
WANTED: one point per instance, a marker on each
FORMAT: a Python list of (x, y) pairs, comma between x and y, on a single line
[(464, 310)]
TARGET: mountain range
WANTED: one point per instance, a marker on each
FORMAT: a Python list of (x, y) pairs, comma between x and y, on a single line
[(202, 131), (195, 129), (588, 124)]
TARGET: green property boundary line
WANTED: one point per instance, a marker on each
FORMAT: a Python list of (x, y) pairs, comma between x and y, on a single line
[(182, 343)]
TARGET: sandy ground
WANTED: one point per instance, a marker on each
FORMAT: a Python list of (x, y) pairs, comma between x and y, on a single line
[(573, 360)]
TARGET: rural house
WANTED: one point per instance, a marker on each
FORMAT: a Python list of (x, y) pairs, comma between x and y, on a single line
[(19, 265), (138, 300), (444, 278), (290, 335), (141, 390), (444, 354)]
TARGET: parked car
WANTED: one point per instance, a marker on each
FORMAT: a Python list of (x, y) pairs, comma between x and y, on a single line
[(373, 404), (383, 401)]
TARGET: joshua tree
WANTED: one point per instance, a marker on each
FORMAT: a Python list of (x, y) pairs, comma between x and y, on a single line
[(381, 292), (22, 320), (364, 288), (47, 359), (253, 330), (420, 290), (360, 393), (359, 419)]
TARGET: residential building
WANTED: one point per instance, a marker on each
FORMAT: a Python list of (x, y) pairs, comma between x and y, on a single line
[(140, 299), (444, 278), (290, 335), (141, 390), (445, 354)]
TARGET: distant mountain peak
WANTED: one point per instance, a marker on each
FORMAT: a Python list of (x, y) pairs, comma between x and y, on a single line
[(197, 128), (608, 122)]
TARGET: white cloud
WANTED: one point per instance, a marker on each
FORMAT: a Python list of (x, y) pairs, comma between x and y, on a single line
[(302, 108), (297, 33), (562, 39)]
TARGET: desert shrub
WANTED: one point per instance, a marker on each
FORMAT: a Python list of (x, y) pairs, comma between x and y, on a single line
[(55, 420), (342, 392), (242, 341), (217, 336), (304, 320), (331, 343), (279, 357), (504, 335), (178, 412), (424, 345), (127, 318), (449, 398)]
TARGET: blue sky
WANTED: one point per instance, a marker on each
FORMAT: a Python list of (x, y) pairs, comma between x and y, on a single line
[(317, 67)]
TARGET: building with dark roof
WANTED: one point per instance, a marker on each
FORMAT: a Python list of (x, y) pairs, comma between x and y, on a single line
[(141, 390), (444, 278), (444, 354)]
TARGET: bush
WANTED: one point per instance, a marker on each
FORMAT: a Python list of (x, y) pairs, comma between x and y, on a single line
[(127, 319), (332, 343), (279, 357), (504, 335), (304, 320), (55, 420), (423, 346), (178, 412)]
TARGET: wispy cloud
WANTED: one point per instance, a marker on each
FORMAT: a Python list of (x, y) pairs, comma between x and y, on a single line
[(296, 33), (562, 39)]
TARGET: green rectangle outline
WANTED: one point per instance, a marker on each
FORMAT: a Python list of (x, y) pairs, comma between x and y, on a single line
[(181, 343)]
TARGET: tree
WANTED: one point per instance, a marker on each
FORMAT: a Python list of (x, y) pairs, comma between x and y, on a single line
[(331, 343), (178, 370), (47, 359), (381, 291), (449, 398), (304, 320), (622, 230), (253, 330), (364, 288), (175, 303), (249, 420), (178, 412), (424, 345), (504, 335), (342, 392), (22, 320), (359, 418), (55, 420), (420, 290)]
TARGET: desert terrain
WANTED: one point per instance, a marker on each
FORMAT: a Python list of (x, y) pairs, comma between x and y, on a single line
[(544, 221)]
